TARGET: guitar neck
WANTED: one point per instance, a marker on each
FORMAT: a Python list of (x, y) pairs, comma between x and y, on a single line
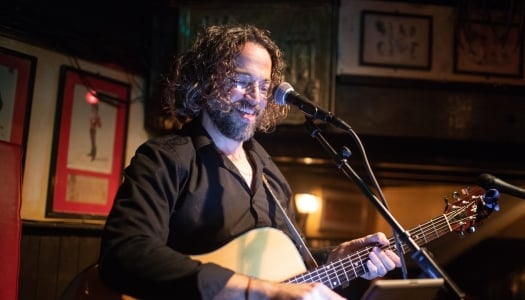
[(424, 233), (346, 269)]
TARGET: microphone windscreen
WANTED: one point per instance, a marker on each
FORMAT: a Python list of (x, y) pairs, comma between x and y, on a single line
[(280, 92), (486, 180)]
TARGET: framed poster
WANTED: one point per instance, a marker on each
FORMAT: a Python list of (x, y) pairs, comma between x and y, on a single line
[(485, 48), (88, 144), (395, 40), (17, 75)]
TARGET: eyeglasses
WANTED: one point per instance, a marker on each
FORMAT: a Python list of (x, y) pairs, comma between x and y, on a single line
[(243, 82)]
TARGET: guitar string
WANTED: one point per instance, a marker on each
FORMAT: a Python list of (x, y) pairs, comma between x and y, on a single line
[(437, 225)]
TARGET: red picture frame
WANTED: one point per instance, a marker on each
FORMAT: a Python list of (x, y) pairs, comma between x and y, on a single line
[(88, 145), (17, 76)]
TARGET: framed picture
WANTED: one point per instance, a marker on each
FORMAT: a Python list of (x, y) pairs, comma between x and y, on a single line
[(88, 144), (485, 48), (17, 75), (395, 40)]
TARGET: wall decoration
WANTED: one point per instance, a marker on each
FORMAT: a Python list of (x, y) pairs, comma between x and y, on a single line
[(485, 48), (17, 74), (88, 144), (434, 110), (395, 40)]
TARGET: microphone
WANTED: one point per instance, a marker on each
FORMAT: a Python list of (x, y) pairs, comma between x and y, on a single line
[(489, 181), (284, 93)]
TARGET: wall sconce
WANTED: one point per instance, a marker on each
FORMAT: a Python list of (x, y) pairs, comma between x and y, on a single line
[(306, 204), (94, 96)]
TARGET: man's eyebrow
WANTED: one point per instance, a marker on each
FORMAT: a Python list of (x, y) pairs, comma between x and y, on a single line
[(244, 73), (266, 80)]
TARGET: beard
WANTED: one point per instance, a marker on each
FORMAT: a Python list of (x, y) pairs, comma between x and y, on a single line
[(231, 124)]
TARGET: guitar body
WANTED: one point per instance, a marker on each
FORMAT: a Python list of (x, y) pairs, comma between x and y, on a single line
[(264, 253)]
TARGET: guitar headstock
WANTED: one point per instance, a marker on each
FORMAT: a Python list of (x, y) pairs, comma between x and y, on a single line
[(471, 205)]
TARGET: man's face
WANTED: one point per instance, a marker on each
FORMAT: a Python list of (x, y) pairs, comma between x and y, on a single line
[(248, 95)]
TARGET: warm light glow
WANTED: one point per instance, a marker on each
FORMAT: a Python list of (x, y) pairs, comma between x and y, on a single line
[(307, 203), (308, 160), (91, 97)]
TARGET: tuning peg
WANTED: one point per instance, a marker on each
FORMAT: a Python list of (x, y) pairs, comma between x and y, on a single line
[(493, 206), (472, 229), (491, 198)]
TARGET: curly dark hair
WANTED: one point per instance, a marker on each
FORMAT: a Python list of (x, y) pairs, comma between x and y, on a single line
[(200, 75)]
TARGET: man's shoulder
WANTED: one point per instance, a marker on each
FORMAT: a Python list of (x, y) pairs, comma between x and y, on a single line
[(171, 142)]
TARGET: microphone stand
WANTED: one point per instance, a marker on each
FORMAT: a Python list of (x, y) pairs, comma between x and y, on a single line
[(420, 255)]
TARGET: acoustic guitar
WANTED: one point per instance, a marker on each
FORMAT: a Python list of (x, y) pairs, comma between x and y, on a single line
[(268, 253)]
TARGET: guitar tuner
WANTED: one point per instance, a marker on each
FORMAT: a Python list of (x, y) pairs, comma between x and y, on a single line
[(493, 206), (491, 198)]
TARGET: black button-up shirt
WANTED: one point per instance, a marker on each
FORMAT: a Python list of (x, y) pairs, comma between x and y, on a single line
[(181, 196)]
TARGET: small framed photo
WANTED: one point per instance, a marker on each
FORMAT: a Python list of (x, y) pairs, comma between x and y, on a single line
[(88, 145), (395, 40), (489, 49), (17, 75)]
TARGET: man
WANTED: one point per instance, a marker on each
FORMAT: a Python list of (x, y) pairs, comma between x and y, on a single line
[(193, 191)]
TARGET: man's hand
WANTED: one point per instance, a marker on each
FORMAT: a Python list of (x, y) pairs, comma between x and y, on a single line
[(380, 261)]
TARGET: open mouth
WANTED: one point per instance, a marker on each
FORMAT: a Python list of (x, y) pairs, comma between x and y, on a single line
[(247, 111)]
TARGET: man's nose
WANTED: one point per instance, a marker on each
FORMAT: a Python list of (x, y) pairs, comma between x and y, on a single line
[(255, 90)]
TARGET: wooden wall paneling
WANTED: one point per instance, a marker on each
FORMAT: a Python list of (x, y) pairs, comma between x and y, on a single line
[(76, 254), (88, 251), (68, 262), (29, 256), (397, 107), (48, 267), (51, 257)]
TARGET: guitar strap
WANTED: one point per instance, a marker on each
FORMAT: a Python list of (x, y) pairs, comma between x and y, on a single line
[(299, 242)]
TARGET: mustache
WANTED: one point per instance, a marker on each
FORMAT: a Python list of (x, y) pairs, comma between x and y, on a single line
[(245, 105)]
